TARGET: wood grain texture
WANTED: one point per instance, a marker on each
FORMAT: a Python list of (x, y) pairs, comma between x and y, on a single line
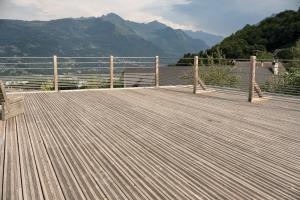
[(151, 144)]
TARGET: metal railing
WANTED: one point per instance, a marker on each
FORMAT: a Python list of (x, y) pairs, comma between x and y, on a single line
[(69, 73), (281, 77), (26, 73)]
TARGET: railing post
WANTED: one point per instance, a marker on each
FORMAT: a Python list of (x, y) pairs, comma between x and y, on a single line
[(111, 71), (55, 73), (156, 71), (252, 78), (196, 73)]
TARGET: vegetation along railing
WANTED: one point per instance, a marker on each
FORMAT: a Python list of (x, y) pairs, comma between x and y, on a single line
[(272, 76), (70, 73)]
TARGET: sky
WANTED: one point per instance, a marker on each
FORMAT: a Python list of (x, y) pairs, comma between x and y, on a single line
[(221, 17)]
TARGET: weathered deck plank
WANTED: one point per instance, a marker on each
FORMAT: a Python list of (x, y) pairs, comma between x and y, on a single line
[(49, 182), (31, 185), (2, 155), (75, 156), (122, 150), (131, 113), (152, 144), (12, 185), (67, 181)]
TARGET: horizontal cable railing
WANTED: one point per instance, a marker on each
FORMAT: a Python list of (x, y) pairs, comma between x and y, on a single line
[(284, 78), (272, 76), (40, 73)]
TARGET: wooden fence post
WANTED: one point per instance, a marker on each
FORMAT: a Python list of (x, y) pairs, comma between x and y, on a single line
[(111, 71), (55, 73), (252, 78), (196, 73), (156, 71)]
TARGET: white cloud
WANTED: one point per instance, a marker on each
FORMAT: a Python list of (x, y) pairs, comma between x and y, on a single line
[(226, 16), (77, 8)]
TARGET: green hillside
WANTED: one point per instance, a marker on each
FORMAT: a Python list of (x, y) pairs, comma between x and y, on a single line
[(281, 31)]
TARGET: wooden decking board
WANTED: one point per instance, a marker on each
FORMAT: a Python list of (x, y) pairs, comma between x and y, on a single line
[(30, 180), (141, 129), (248, 135), (78, 163), (70, 175), (135, 157), (2, 157), (66, 142), (12, 185), (114, 130), (50, 185), (210, 107), (102, 157), (159, 197), (243, 125), (68, 182), (153, 144)]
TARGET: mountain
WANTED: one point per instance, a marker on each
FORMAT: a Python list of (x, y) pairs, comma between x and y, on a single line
[(70, 37), (93, 36), (209, 39), (281, 31), (173, 41)]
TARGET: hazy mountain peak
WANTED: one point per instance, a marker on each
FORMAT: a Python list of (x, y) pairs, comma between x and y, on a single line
[(112, 16), (208, 38), (157, 25)]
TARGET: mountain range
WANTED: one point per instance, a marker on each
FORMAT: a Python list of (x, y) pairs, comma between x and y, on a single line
[(95, 36)]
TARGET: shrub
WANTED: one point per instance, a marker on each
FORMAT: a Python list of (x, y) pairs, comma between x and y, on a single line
[(289, 83), (47, 86), (219, 76), (215, 75)]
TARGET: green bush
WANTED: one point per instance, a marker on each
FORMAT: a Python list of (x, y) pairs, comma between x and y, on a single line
[(215, 75), (219, 76), (47, 86), (289, 83)]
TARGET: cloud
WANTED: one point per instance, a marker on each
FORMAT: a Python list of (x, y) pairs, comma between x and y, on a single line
[(217, 16), (227, 16), (12, 10)]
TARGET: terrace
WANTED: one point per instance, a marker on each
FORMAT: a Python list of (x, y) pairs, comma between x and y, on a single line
[(151, 143)]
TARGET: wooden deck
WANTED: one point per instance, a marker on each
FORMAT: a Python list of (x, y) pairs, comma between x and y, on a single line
[(151, 144)]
